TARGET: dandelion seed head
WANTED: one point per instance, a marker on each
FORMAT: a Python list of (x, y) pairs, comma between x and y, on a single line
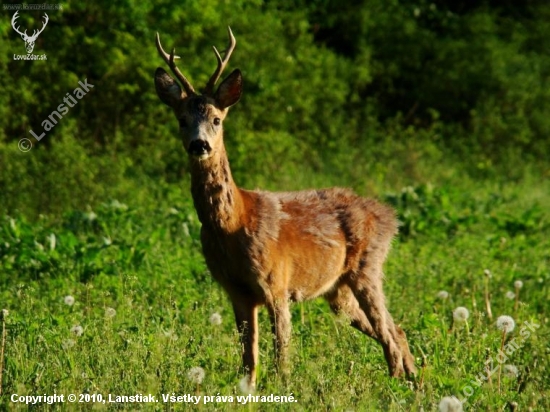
[(450, 404), (110, 313), (216, 319), (511, 370), (69, 300), (196, 374), (77, 330), (506, 323), (518, 284), (442, 294), (245, 386), (461, 314), (68, 343), (510, 295)]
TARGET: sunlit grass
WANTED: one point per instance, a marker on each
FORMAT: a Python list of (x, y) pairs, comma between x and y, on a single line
[(140, 314)]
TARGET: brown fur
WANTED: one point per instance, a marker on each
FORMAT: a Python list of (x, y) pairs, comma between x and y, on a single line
[(270, 249)]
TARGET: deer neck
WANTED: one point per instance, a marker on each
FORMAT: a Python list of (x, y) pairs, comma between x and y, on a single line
[(216, 197)]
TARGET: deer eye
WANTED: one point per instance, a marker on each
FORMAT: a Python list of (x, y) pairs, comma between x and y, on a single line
[(183, 123), (217, 121)]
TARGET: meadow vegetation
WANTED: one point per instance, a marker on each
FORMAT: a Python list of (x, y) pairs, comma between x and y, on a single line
[(440, 109)]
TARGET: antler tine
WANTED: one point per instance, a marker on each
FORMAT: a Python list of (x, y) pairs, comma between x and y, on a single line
[(209, 89), (169, 59)]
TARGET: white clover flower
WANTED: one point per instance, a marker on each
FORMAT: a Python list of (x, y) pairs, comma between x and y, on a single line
[(511, 370), (506, 324), (518, 284), (77, 330), (245, 386), (461, 314), (443, 295), (69, 300), (216, 319), (5, 313), (110, 313), (196, 374), (450, 404), (173, 211), (107, 241), (510, 295), (487, 273)]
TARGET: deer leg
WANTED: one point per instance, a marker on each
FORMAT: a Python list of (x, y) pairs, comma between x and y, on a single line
[(279, 313), (367, 288), (342, 301), (246, 316)]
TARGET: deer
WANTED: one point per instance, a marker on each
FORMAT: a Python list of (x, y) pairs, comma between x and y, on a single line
[(29, 40), (274, 248)]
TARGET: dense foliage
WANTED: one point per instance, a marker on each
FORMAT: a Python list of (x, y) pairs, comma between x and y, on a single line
[(372, 88)]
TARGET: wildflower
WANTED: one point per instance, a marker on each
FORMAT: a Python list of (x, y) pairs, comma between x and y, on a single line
[(90, 216), (173, 211), (77, 330), (196, 375), (51, 241), (510, 295), (518, 284), (442, 294), (461, 314), (170, 334), (69, 300), (505, 324), (245, 386), (511, 370), (5, 313), (110, 313), (216, 319), (68, 343), (450, 404), (107, 241), (487, 273), (115, 204)]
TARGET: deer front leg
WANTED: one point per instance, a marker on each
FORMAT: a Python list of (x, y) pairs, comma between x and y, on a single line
[(246, 316), (279, 313)]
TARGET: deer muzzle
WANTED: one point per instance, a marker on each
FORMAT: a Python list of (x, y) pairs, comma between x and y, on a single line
[(199, 148)]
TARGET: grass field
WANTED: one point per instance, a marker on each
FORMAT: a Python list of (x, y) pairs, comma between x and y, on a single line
[(117, 300)]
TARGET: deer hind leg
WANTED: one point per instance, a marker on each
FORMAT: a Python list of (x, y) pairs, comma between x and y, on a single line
[(279, 313), (246, 317), (366, 286), (342, 301)]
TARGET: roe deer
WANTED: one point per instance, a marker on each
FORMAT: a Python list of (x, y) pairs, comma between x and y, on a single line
[(272, 248)]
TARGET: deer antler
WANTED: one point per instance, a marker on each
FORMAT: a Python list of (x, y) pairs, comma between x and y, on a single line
[(169, 59), (15, 17), (209, 89)]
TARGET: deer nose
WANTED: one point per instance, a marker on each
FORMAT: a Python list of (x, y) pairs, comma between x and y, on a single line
[(199, 148)]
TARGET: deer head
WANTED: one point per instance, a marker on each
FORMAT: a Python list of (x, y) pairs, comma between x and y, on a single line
[(29, 40), (200, 116)]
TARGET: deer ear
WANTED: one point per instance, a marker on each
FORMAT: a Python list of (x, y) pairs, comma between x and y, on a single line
[(168, 90), (230, 90)]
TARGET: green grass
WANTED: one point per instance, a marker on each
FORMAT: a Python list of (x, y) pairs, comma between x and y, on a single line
[(144, 261)]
